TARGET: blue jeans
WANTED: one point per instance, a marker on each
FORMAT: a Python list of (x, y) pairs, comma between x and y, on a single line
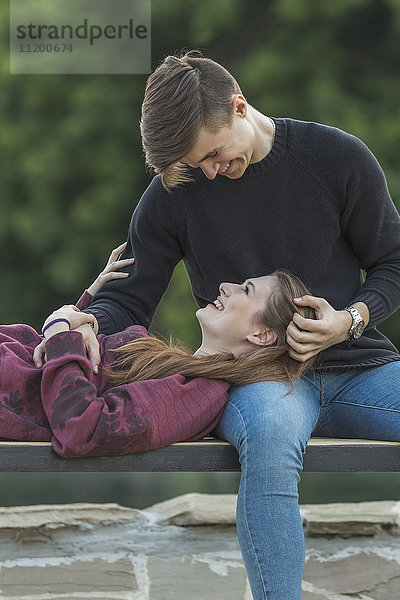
[(270, 431)]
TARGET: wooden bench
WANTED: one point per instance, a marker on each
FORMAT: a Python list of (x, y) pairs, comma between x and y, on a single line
[(209, 454)]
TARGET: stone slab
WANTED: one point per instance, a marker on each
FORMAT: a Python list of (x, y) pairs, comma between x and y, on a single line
[(63, 515), (344, 519), (196, 578), (196, 509), (68, 577), (312, 596), (362, 573), (349, 519)]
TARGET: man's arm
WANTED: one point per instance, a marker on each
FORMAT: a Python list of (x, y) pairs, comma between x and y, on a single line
[(153, 241), (371, 224)]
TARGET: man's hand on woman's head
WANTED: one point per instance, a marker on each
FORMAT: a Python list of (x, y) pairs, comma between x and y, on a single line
[(308, 337), (110, 271)]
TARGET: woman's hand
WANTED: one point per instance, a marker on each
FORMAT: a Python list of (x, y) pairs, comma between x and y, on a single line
[(76, 319), (69, 312), (91, 345), (90, 340), (110, 271)]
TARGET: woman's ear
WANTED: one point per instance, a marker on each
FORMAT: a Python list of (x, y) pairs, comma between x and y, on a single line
[(265, 337)]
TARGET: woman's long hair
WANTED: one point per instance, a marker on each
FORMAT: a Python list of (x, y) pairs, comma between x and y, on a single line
[(152, 358)]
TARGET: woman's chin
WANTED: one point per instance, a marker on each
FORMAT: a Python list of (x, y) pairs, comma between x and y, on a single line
[(209, 309), (200, 312)]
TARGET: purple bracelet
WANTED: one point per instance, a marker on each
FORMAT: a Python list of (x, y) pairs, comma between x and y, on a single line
[(55, 321)]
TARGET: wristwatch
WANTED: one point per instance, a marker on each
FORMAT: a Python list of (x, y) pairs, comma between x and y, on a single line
[(357, 328)]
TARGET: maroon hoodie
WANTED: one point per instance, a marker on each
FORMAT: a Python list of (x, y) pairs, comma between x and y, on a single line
[(82, 416)]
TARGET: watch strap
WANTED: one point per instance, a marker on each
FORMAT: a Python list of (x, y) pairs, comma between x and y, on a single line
[(357, 320)]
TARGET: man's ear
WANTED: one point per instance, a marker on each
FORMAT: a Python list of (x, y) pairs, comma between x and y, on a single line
[(265, 337), (239, 104)]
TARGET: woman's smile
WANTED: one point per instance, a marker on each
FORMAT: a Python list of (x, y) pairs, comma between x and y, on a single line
[(219, 304)]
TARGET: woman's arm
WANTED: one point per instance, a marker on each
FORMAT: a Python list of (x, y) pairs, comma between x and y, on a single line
[(135, 417), (109, 273)]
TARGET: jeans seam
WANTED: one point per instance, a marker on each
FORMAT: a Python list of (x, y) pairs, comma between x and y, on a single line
[(365, 406), (324, 407), (323, 386), (320, 416), (245, 503)]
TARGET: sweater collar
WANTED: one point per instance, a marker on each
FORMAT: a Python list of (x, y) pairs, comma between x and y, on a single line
[(274, 155)]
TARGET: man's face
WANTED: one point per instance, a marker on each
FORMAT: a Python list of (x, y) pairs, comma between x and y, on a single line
[(226, 152)]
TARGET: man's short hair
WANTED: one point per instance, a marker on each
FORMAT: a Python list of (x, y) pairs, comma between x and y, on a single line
[(183, 94)]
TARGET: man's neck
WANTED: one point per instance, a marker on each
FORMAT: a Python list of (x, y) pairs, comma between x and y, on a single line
[(264, 132)]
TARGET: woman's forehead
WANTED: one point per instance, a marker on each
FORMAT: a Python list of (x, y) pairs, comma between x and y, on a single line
[(263, 285), (263, 280)]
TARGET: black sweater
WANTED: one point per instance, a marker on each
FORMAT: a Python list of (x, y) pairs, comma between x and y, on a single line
[(317, 205)]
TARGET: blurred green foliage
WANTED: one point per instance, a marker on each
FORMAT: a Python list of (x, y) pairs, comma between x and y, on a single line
[(72, 166)]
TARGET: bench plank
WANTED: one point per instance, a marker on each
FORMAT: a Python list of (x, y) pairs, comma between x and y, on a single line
[(209, 454)]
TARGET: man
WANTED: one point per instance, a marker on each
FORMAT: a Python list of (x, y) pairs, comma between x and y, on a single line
[(239, 194)]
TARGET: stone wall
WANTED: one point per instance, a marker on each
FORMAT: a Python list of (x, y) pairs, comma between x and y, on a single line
[(186, 549)]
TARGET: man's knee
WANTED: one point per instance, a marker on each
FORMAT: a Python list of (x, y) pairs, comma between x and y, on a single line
[(267, 414)]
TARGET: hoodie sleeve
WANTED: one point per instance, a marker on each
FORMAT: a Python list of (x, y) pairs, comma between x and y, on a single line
[(130, 418), (84, 301)]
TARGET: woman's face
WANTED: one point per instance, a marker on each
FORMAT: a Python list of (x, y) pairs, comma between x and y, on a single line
[(230, 322)]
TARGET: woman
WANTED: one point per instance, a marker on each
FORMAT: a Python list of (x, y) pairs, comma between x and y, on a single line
[(147, 394)]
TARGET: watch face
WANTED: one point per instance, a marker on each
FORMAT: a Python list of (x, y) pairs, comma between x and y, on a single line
[(358, 330)]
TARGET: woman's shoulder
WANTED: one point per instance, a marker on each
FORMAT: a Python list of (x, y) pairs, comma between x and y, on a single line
[(114, 340), (109, 343)]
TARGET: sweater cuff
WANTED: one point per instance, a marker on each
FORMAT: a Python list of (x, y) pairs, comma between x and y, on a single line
[(375, 306), (65, 343), (84, 301)]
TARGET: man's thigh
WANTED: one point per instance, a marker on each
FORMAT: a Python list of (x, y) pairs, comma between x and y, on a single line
[(270, 410), (367, 406)]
